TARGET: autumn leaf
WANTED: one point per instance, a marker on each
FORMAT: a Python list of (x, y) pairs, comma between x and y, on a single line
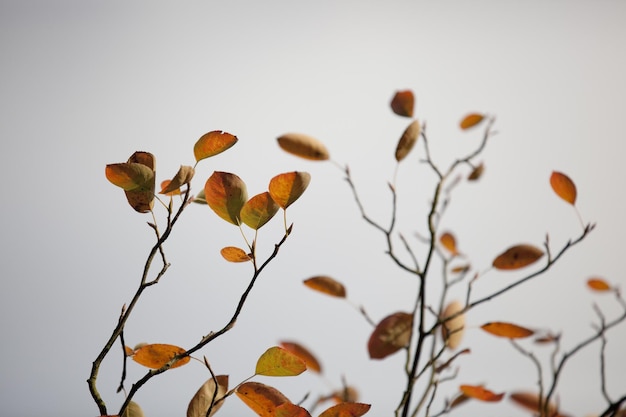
[(508, 330), (345, 395), (390, 335), (476, 172), (480, 393), (303, 353), (137, 178), (200, 198), (286, 188), (532, 402), (346, 410), (403, 103), (156, 355), (517, 257), (133, 410), (164, 185), (304, 146), (563, 186), (234, 254), (471, 120), (261, 398), (277, 361), (226, 194), (326, 285), (452, 330), (598, 284), (448, 241), (407, 140), (182, 177), (257, 211), (208, 394), (213, 143), (290, 410)]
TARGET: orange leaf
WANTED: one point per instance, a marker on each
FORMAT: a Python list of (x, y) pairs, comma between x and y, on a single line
[(277, 361), (137, 179), (403, 103), (326, 285), (233, 254), (290, 410), (311, 361), (182, 177), (460, 268), (531, 401), (448, 241), (165, 184), (471, 120), (563, 186), (346, 410), (156, 355), (480, 393), (407, 140), (390, 335), (213, 143), (304, 146), (476, 172), (508, 330), (226, 194), (288, 187), (598, 284), (261, 398), (258, 210), (206, 395), (453, 329), (517, 257)]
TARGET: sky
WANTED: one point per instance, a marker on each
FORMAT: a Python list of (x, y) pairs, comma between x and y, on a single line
[(87, 83)]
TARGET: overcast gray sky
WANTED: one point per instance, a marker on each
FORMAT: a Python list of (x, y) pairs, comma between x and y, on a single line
[(86, 83)]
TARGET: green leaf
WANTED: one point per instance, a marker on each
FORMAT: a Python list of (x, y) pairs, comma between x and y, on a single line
[(277, 361)]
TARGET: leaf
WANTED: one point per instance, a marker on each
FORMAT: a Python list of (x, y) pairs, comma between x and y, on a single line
[(290, 410), (297, 349), (258, 210), (345, 395), (133, 410), (390, 335), (213, 143), (183, 176), (563, 186), (326, 285), (471, 120), (200, 198), (531, 401), (403, 103), (156, 355), (407, 140), (286, 188), (346, 410), (448, 241), (480, 393), (233, 254), (598, 284), (277, 361), (460, 269), (261, 398), (208, 394), (165, 184), (517, 257), (548, 338), (508, 330), (452, 330), (476, 172), (137, 178), (304, 146), (226, 194)]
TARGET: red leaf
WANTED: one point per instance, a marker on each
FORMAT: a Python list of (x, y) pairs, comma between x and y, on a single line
[(390, 335), (403, 103)]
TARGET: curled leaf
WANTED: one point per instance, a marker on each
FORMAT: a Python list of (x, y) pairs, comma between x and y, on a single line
[(156, 355), (563, 186), (261, 398), (407, 140), (480, 393), (137, 178), (471, 120), (277, 361), (258, 210), (200, 198), (182, 177), (208, 394), (164, 185), (517, 257), (452, 330), (304, 146), (286, 188), (598, 284), (226, 194), (390, 335), (213, 143), (403, 103), (234, 254), (326, 285), (303, 353), (508, 330)]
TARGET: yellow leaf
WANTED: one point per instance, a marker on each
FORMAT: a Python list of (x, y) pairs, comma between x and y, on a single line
[(563, 186), (480, 393), (261, 398), (258, 210), (297, 349), (277, 361), (403, 103), (598, 284), (304, 146), (208, 394), (346, 410), (156, 355), (233, 254), (407, 140), (133, 410), (213, 143), (448, 241), (471, 120), (452, 330), (390, 335), (326, 285), (226, 194), (508, 330), (286, 188), (517, 257)]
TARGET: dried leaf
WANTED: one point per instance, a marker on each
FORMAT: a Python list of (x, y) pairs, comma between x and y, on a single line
[(471, 120), (476, 172), (303, 353), (460, 269), (326, 285), (531, 401), (403, 103), (129, 176), (277, 361), (517, 257), (290, 410), (448, 241), (182, 177), (208, 394), (213, 143), (261, 398), (390, 335), (346, 410), (257, 211), (133, 410), (165, 184), (563, 186), (598, 284), (303, 146), (156, 355), (452, 330), (226, 194), (142, 199), (480, 393), (407, 140), (508, 330), (234, 254), (286, 188)]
